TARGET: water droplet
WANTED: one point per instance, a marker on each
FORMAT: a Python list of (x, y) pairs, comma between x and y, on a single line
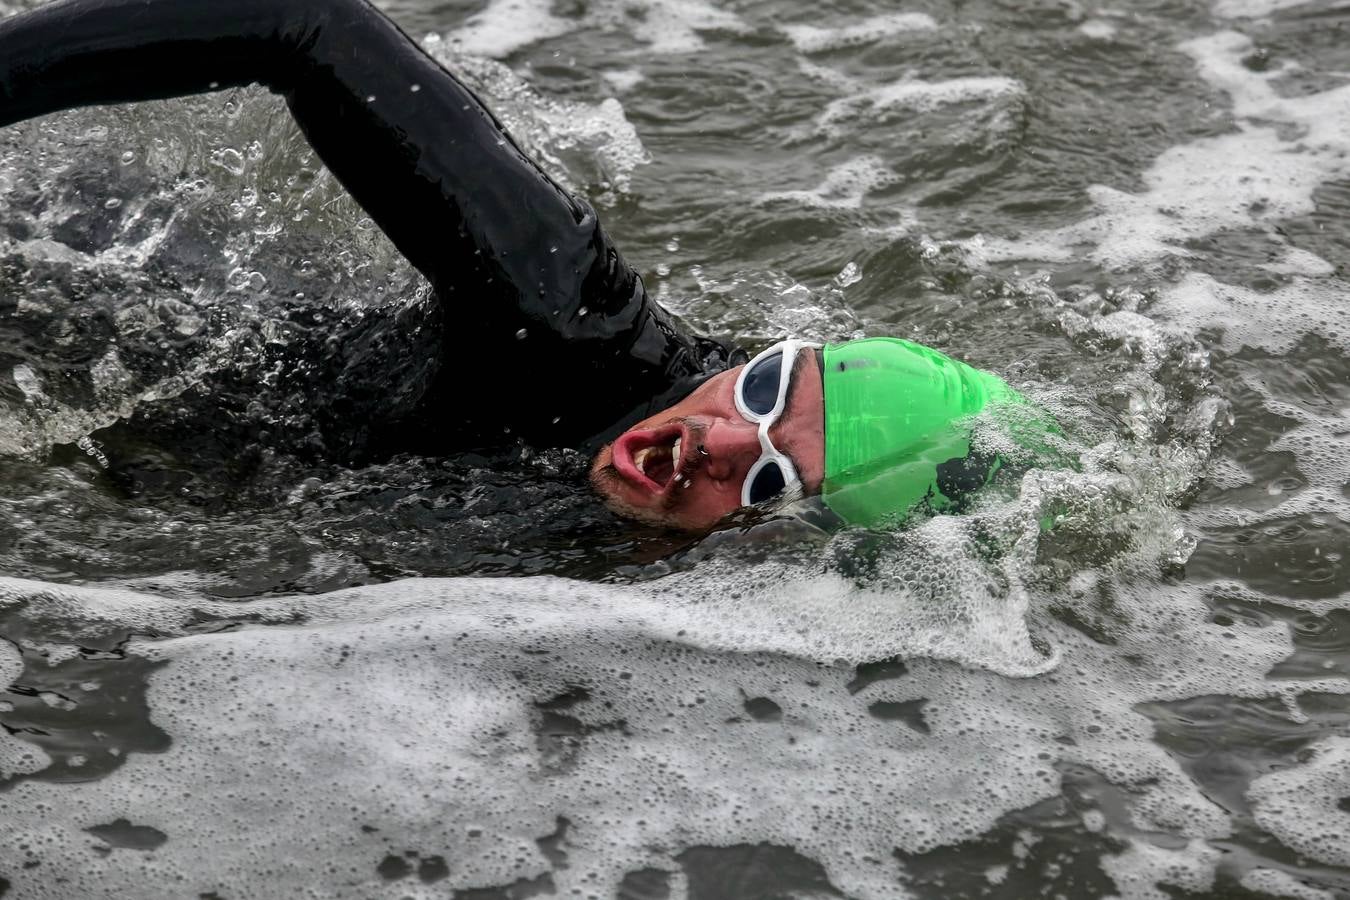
[(521, 334), (415, 88), (849, 275), (128, 156), (582, 312), (112, 203), (370, 99), (229, 159), (241, 279)]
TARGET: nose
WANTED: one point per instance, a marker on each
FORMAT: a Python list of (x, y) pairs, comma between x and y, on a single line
[(732, 446)]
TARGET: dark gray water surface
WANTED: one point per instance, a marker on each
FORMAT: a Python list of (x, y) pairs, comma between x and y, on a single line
[(242, 660)]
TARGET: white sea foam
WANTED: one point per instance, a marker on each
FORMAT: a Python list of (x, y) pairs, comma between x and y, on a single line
[(1297, 261), (910, 96), (905, 99), (665, 26), (505, 26), (624, 79), (1303, 805), (16, 756), (1276, 883), (1098, 29), (844, 186), (669, 26), (1316, 440), (1252, 179), (815, 39), (1142, 870), (423, 694), (1253, 9), (1274, 321)]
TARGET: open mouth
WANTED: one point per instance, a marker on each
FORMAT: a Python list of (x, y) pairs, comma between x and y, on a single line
[(651, 459)]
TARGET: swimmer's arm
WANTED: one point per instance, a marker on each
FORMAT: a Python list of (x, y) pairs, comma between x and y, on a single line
[(415, 148), (505, 247)]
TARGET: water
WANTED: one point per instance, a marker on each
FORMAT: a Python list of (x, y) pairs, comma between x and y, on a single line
[(245, 658)]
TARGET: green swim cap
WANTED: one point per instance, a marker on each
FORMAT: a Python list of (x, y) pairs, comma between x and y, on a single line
[(893, 416)]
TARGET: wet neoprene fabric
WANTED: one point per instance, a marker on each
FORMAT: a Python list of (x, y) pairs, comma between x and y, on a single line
[(896, 427), (548, 331)]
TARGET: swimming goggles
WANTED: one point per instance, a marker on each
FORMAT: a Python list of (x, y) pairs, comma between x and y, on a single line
[(761, 393)]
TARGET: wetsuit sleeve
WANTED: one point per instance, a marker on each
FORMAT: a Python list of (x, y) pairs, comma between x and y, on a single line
[(523, 268)]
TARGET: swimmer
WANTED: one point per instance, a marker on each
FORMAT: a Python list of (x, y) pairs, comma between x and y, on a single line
[(563, 330)]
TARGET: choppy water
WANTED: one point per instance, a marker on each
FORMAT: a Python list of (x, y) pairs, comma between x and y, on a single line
[(245, 660)]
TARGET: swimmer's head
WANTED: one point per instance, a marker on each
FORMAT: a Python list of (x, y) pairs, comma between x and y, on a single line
[(868, 424), (695, 463)]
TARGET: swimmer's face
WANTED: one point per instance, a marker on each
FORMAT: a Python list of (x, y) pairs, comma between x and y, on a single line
[(716, 448)]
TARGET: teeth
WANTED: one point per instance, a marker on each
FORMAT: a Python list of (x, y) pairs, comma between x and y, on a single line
[(672, 451)]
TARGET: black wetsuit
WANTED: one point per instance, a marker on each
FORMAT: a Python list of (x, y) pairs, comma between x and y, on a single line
[(549, 332)]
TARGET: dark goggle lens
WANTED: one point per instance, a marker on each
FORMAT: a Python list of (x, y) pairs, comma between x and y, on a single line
[(769, 483), (759, 389)]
